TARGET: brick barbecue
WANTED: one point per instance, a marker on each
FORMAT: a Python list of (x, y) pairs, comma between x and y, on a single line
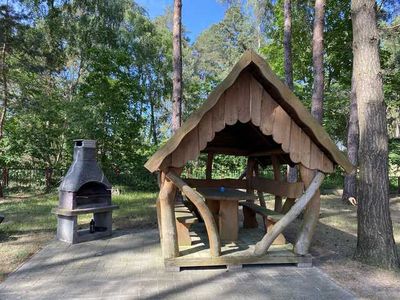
[(84, 190)]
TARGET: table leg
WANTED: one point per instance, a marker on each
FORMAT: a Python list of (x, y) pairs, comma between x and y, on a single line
[(213, 206), (229, 221)]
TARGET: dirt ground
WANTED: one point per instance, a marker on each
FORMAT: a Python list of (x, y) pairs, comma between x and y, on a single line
[(334, 244)]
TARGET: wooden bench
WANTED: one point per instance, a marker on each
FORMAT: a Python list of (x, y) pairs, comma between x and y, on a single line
[(270, 217), (184, 219)]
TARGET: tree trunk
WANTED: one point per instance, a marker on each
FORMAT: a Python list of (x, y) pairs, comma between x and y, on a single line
[(375, 242), (318, 61), (177, 66), (287, 45), (350, 180), (4, 102), (153, 121)]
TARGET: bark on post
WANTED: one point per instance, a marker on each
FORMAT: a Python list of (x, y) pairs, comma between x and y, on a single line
[(318, 61), (263, 245), (350, 180), (375, 242), (169, 241), (311, 215), (177, 66)]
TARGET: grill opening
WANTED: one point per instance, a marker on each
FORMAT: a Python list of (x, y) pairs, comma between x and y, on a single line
[(93, 194)]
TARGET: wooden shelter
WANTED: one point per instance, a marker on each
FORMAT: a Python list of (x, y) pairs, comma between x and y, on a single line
[(253, 114)]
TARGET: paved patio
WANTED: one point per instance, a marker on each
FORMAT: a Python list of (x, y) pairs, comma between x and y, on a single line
[(129, 266)]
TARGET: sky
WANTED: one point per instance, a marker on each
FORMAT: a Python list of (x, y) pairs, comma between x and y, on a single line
[(197, 15)]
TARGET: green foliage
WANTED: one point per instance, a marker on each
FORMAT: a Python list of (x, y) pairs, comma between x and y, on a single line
[(102, 70)]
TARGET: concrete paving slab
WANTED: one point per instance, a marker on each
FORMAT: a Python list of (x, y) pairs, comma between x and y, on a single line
[(129, 266)]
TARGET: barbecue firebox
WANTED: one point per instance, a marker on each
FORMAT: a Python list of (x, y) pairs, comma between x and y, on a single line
[(84, 190)]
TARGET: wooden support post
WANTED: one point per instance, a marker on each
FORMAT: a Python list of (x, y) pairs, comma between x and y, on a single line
[(210, 157), (288, 205), (311, 215), (263, 245), (169, 241), (249, 216), (260, 194), (277, 176), (198, 200)]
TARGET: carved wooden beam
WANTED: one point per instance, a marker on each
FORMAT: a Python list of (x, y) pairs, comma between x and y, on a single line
[(263, 245), (199, 201)]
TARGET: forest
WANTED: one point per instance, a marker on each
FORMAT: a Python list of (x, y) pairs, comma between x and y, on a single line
[(104, 70)]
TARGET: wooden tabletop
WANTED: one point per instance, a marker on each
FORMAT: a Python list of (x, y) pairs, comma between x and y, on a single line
[(225, 194)]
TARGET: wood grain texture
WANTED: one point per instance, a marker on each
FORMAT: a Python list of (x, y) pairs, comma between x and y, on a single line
[(281, 127), (218, 114), (243, 99), (168, 226), (231, 104), (205, 130), (268, 106), (295, 142), (256, 91)]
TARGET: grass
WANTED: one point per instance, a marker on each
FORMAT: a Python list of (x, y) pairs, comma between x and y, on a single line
[(29, 223)]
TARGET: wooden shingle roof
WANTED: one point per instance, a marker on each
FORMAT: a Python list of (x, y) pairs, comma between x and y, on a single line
[(200, 123)]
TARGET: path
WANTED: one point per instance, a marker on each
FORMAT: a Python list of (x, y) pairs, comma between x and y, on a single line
[(129, 266)]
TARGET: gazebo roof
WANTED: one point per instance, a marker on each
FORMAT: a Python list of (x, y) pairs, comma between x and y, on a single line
[(293, 124)]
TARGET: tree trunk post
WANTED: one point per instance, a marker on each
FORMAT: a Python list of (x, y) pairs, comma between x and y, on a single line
[(375, 241), (311, 215), (318, 61), (169, 240), (177, 66)]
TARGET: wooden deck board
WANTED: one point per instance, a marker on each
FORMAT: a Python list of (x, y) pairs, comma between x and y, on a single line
[(234, 253)]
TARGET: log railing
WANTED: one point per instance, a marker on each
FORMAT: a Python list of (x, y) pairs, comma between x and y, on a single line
[(198, 200), (263, 245)]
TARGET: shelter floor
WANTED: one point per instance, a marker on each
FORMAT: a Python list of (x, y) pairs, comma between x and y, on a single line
[(243, 247), (129, 266)]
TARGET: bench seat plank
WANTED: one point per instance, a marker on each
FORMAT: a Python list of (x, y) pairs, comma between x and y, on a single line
[(184, 219), (273, 216)]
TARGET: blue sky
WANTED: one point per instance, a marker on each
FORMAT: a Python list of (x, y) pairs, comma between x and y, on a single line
[(197, 14)]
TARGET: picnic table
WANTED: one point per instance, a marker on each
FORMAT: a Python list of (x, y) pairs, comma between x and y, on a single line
[(224, 205)]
